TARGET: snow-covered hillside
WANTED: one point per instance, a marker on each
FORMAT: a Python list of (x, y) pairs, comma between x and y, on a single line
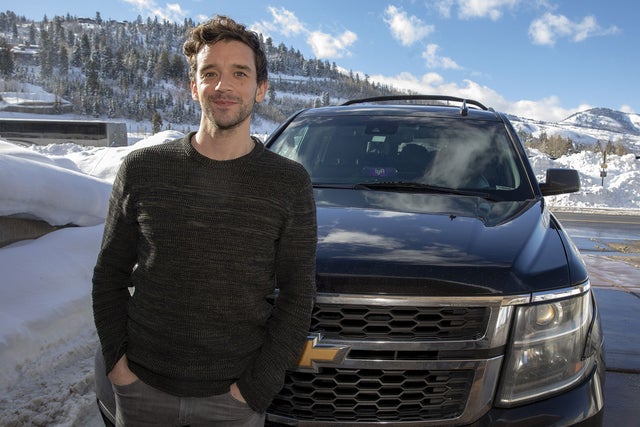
[(589, 127), (606, 119)]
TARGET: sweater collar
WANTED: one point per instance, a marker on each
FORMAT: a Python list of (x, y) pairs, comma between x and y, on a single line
[(192, 153)]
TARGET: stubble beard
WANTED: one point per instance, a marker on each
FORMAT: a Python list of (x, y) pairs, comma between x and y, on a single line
[(227, 124)]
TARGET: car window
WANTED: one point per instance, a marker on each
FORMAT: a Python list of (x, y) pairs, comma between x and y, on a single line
[(443, 152)]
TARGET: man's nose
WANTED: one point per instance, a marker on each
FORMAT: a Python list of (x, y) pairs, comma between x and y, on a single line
[(223, 83)]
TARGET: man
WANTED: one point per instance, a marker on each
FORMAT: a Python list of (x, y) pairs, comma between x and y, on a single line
[(203, 229)]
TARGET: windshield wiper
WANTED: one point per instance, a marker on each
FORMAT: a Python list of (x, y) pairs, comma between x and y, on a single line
[(338, 185), (423, 188)]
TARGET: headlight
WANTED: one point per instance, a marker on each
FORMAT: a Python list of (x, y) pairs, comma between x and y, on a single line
[(547, 352)]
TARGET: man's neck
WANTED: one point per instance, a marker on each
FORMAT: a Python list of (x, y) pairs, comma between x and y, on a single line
[(222, 145)]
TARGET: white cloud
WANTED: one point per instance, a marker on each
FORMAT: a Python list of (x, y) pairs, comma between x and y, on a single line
[(547, 29), (141, 4), (407, 29), (443, 7), (286, 22), (434, 83), (547, 109), (433, 60), (327, 46), (627, 109), (324, 45), (171, 12), (492, 9)]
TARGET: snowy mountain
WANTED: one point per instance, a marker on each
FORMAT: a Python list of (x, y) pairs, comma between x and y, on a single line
[(589, 127), (606, 119)]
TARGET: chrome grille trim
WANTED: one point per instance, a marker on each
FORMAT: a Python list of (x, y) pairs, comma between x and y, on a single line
[(495, 332)]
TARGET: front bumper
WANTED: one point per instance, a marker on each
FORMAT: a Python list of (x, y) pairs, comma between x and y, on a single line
[(582, 406)]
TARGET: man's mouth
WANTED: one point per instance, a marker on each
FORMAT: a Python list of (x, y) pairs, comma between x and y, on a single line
[(224, 102)]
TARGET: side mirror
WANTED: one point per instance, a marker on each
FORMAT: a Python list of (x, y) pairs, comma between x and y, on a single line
[(560, 181)]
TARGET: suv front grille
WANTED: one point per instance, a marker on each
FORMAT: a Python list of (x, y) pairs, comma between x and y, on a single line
[(416, 360), (366, 322), (374, 395)]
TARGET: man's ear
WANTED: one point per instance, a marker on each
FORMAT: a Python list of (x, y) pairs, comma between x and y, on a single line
[(261, 92), (194, 91)]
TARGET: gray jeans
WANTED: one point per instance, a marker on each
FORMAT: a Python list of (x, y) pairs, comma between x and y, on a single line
[(139, 404)]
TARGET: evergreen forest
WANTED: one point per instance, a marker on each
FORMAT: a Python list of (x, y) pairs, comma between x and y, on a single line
[(136, 70)]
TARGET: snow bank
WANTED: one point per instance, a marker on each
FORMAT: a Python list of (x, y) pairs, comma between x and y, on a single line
[(62, 184), (621, 188), (47, 336)]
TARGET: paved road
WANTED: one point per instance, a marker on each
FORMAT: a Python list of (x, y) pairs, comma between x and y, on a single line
[(611, 248), (608, 234)]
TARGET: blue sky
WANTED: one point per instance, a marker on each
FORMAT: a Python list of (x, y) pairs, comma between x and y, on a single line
[(542, 59)]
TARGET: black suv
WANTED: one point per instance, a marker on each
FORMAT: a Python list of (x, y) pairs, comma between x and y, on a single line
[(447, 292)]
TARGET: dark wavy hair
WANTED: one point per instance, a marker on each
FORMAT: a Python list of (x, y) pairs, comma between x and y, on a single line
[(224, 28)]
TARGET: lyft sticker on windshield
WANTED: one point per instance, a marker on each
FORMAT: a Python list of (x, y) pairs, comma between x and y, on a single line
[(377, 171)]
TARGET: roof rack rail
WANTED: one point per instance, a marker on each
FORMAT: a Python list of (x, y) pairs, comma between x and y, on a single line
[(416, 98)]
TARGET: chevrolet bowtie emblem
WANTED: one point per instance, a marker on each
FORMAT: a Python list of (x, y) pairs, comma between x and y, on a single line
[(315, 351)]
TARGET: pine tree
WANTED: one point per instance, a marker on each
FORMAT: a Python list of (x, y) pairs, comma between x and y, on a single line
[(156, 122), (325, 99), (271, 93), (6, 59), (163, 66), (85, 48), (63, 62), (32, 34), (45, 57)]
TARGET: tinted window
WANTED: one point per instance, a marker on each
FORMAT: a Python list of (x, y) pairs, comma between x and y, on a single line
[(451, 153)]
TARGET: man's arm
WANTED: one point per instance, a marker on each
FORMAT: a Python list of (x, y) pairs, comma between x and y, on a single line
[(289, 324), (112, 273)]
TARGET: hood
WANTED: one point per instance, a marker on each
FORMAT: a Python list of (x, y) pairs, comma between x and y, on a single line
[(436, 245)]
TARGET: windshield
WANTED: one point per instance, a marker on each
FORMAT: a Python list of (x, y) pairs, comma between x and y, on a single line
[(410, 153)]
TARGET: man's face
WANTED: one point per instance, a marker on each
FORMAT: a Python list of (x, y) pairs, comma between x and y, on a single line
[(226, 84)]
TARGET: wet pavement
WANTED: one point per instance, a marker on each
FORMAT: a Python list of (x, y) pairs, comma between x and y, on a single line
[(616, 281)]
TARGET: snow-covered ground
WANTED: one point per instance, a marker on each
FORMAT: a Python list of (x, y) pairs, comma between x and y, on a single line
[(620, 190), (47, 337)]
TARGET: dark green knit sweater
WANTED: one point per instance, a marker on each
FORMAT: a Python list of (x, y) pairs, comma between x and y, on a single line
[(203, 243)]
